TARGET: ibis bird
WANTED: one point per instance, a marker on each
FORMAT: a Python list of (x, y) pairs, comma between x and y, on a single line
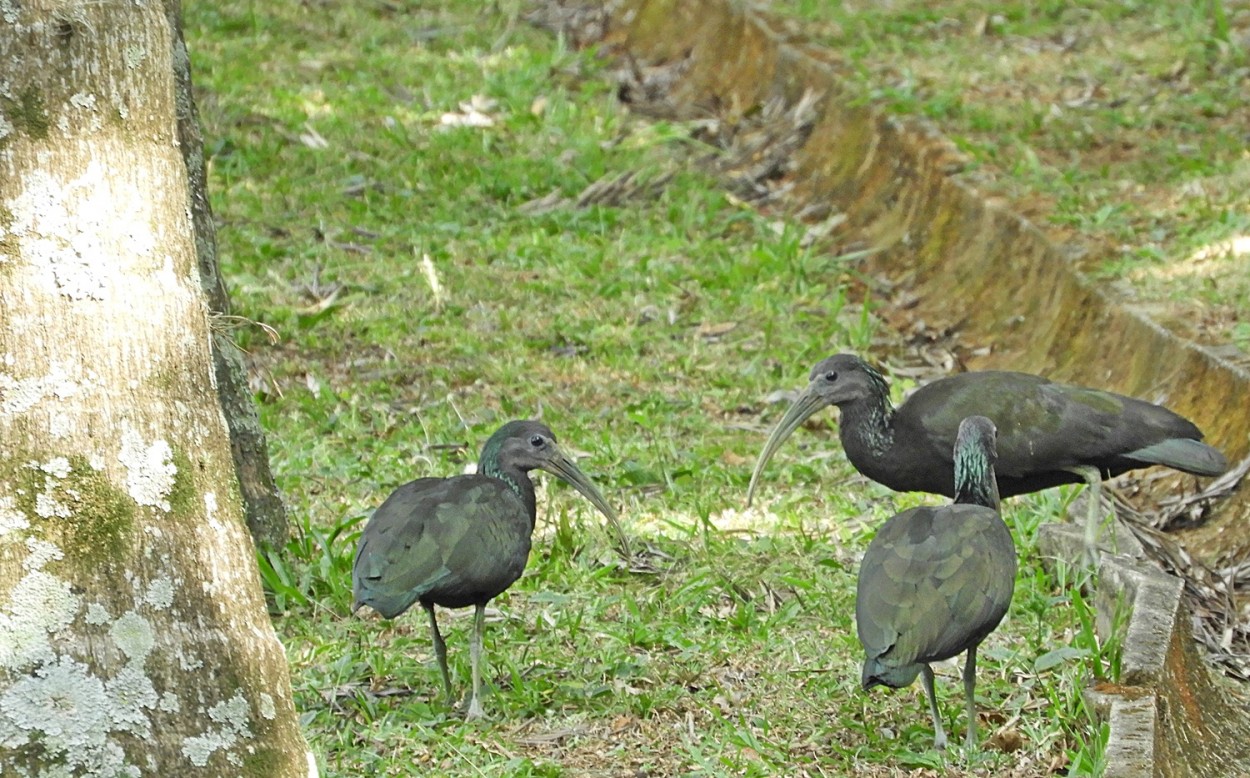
[(461, 541), (1048, 433), (935, 581)]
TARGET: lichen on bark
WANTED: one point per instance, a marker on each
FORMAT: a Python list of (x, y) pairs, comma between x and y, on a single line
[(133, 633)]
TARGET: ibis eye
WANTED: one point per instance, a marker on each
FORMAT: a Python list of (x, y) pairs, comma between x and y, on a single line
[(831, 376), (537, 441)]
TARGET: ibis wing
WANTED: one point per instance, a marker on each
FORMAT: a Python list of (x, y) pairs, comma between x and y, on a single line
[(933, 582), (1045, 429), (436, 537)]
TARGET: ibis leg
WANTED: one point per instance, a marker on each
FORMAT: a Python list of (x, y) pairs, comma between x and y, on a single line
[(970, 692), (939, 735), (1093, 519), (475, 657), (440, 649)]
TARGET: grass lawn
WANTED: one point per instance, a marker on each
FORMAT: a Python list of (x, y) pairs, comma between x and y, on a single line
[(370, 166)]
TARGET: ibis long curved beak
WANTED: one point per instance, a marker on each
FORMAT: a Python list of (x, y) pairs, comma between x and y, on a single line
[(808, 403), (563, 468)]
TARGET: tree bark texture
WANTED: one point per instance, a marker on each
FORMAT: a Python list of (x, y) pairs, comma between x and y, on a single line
[(134, 638), (266, 513)]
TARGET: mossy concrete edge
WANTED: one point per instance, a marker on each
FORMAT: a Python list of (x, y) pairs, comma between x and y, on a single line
[(1168, 717)]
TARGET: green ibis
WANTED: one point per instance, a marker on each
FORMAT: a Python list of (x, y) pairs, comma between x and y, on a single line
[(935, 581), (463, 540), (1048, 433)]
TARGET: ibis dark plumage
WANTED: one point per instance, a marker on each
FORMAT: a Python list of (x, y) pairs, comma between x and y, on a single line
[(1048, 433), (463, 540), (935, 581)]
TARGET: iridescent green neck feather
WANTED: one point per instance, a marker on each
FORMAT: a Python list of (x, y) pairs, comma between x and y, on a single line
[(974, 464), (494, 463)]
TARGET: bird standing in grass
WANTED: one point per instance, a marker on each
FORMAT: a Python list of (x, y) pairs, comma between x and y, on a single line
[(1048, 433), (935, 581), (463, 540)]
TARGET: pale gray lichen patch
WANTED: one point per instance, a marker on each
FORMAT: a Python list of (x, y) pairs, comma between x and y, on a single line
[(131, 693), (97, 614), (134, 636), (187, 662), (11, 519), (149, 470), (77, 276), (170, 703), (133, 56), (41, 553), (233, 715), (18, 395), (39, 604), (62, 700), (6, 129), (46, 504), (267, 707), (8, 11), (60, 426), (63, 225), (64, 710), (84, 101), (160, 594), (47, 507), (88, 103), (57, 467)]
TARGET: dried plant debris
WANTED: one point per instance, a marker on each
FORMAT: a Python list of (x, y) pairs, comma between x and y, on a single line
[(1188, 509), (1219, 597), (582, 23), (613, 189), (759, 148), (753, 149), (1219, 623)]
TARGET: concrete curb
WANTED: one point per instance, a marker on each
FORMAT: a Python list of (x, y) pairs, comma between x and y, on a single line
[(1168, 717)]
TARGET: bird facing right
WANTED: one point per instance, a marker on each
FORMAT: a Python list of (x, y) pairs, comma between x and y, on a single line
[(462, 541), (935, 581)]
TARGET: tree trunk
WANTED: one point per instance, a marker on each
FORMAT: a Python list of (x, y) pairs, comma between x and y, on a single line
[(266, 514), (133, 634)]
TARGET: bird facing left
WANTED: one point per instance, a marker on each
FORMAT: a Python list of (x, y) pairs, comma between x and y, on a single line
[(463, 540)]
